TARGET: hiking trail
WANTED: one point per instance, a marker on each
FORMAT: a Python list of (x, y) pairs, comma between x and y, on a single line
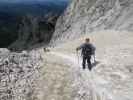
[(111, 79), (89, 83)]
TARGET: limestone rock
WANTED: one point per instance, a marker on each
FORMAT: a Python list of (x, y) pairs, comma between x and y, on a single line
[(18, 74), (86, 16)]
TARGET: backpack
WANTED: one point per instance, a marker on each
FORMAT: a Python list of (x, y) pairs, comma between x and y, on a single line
[(87, 50)]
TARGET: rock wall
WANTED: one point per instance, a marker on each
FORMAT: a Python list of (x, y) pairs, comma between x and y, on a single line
[(85, 16)]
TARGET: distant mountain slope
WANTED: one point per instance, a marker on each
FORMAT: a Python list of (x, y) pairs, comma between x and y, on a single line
[(8, 28), (12, 15)]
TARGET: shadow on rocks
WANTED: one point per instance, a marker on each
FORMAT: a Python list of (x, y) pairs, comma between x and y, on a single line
[(95, 64)]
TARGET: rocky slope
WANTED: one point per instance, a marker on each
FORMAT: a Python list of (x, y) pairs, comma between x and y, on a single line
[(85, 16), (19, 73)]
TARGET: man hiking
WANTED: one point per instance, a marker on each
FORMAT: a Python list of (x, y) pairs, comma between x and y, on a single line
[(87, 50)]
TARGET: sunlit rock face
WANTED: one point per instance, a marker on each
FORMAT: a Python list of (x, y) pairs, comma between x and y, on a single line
[(85, 16)]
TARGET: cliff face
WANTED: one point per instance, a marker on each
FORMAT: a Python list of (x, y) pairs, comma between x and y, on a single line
[(85, 16)]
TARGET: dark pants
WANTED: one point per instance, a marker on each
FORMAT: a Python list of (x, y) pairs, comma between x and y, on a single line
[(88, 60)]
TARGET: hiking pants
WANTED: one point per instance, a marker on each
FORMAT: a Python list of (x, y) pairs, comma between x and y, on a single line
[(88, 60)]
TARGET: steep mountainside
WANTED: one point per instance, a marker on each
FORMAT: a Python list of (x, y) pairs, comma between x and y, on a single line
[(36, 18), (8, 28), (85, 16), (34, 31)]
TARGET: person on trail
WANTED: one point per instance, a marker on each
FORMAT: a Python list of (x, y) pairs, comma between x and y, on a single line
[(88, 50)]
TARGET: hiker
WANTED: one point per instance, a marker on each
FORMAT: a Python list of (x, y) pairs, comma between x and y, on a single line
[(87, 51)]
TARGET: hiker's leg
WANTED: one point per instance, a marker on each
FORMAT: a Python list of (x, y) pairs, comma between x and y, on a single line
[(84, 62), (89, 62)]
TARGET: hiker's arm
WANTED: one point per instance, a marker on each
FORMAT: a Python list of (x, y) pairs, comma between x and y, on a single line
[(80, 47), (93, 48)]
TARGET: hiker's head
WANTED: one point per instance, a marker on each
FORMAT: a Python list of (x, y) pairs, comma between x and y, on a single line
[(87, 40)]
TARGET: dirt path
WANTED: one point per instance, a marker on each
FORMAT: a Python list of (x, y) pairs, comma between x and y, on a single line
[(87, 83)]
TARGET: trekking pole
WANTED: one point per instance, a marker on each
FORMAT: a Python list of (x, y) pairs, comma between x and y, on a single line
[(78, 57), (94, 56)]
